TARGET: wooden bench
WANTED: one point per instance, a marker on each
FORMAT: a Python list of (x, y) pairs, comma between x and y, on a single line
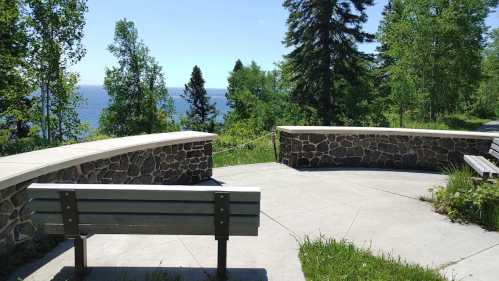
[(77, 211), (483, 166)]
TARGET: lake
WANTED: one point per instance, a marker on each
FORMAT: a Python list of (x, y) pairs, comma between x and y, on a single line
[(97, 99)]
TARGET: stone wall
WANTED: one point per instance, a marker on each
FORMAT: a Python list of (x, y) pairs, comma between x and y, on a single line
[(184, 163), (417, 149)]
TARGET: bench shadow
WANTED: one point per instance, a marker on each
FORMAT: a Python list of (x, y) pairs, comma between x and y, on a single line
[(161, 274), (29, 268)]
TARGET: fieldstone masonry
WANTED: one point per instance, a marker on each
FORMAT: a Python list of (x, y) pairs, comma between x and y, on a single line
[(304, 150), (186, 163)]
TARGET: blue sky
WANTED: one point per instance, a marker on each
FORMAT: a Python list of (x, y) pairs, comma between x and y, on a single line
[(211, 34)]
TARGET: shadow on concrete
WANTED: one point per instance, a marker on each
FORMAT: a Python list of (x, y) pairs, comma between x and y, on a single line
[(161, 274), (33, 266), (365, 169), (209, 182)]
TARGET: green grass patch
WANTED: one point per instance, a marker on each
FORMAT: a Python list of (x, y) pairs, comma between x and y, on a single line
[(460, 122), (230, 151), (328, 259), (466, 200)]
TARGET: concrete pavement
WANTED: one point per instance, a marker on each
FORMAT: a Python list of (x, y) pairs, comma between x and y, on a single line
[(373, 208), (492, 127)]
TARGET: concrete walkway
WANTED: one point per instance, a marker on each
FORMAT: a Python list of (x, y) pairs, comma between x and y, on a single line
[(373, 208), (492, 127)]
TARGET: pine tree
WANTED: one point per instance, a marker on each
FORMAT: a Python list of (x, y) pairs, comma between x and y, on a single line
[(237, 66), (324, 34), (201, 115)]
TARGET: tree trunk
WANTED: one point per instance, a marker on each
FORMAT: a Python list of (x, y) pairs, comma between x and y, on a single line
[(43, 124)]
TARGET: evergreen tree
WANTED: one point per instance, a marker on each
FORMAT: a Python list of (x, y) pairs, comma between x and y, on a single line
[(138, 98), (55, 30), (324, 35), (237, 66), (15, 87), (201, 115)]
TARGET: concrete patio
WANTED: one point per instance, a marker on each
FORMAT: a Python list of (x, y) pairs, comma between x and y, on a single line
[(379, 209)]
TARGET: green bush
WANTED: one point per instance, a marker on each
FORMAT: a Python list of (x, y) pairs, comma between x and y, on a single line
[(464, 200)]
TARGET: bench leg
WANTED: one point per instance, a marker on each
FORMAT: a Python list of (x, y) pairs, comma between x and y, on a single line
[(222, 259), (80, 245)]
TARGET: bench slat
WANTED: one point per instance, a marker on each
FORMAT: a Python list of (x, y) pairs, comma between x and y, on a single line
[(159, 224), (477, 163), (234, 230), (161, 207), (494, 153), (496, 141), (142, 192), (494, 150)]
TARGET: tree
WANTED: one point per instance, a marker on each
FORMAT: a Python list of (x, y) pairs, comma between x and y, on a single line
[(324, 35), (201, 115), (237, 66), (15, 87), (138, 98), (258, 101), (486, 99), (435, 49), (55, 29)]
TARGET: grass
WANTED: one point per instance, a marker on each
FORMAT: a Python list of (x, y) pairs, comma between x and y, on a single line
[(331, 260), (460, 122), (230, 151), (466, 200)]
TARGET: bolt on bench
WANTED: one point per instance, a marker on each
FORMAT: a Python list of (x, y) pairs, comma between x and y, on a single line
[(481, 165), (77, 211)]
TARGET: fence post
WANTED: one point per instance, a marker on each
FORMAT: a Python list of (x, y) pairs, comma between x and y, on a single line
[(274, 144)]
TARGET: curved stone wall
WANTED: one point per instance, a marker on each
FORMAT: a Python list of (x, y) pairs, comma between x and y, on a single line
[(169, 158), (303, 147)]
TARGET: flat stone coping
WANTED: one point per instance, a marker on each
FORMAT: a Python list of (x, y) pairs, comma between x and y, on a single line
[(386, 131), (21, 167)]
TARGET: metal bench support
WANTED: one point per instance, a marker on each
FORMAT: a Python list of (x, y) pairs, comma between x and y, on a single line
[(222, 213), (80, 245), (71, 222)]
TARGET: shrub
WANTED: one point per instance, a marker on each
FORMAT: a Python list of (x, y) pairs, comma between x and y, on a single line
[(465, 200)]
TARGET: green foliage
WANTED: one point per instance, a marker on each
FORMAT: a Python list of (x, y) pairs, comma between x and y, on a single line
[(55, 31), (238, 149), (461, 122), (258, 101), (138, 97), (465, 200), (434, 50), (486, 99), (328, 259), (201, 115), (325, 61), (15, 87)]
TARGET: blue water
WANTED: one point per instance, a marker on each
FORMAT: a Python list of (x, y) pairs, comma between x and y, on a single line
[(97, 100)]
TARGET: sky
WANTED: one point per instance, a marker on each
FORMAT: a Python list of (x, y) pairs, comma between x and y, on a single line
[(211, 34)]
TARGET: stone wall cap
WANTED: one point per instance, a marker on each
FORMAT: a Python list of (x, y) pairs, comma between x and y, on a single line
[(21, 167), (386, 131)]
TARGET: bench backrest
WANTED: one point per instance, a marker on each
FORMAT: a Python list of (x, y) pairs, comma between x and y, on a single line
[(494, 148), (143, 209)]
